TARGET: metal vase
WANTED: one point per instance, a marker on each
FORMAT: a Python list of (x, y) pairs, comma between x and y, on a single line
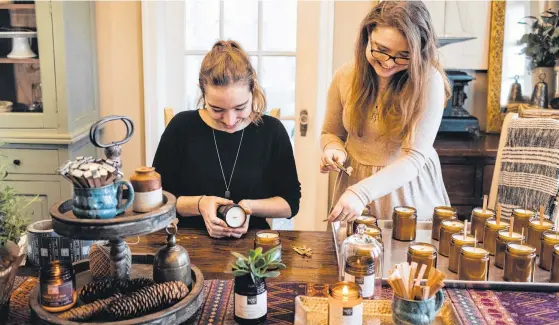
[(515, 94), (540, 98)]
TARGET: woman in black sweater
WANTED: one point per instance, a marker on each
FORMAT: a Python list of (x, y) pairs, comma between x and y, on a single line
[(228, 151)]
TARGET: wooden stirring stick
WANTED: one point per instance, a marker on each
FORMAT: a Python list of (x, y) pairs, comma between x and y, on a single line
[(498, 221), (465, 228), (484, 203), (511, 225), (522, 238), (541, 214)]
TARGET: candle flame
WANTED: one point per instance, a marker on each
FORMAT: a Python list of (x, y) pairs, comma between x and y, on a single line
[(345, 291)]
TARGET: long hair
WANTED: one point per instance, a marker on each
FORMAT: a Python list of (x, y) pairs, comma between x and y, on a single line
[(402, 104), (226, 64)]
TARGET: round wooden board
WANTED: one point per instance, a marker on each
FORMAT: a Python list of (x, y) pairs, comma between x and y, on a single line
[(142, 267), (66, 224)]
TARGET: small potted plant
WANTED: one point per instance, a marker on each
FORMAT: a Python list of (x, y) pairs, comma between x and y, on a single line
[(250, 272)]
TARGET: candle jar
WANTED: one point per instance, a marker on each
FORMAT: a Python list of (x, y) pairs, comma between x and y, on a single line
[(535, 232), (361, 271), (57, 282), (365, 220), (374, 232), (345, 304), (423, 253), (439, 214), (548, 242), (520, 263), (473, 264), (448, 227), (501, 242), (404, 223), (479, 217), (268, 239), (456, 242), (233, 215), (555, 265), (362, 245), (490, 233), (521, 219)]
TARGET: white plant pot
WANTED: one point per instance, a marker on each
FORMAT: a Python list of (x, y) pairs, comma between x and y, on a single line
[(548, 76)]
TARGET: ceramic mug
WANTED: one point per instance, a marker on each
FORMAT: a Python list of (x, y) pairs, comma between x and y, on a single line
[(101, 202), (416, 312)]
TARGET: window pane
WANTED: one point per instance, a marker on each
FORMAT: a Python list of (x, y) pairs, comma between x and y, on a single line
[(202, 24), (241, 23), (278, 81), (279, 25), (290, 127), (192, 68), (254, 61)]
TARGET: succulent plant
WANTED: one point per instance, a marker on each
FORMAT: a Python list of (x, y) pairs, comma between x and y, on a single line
[(257, 263)]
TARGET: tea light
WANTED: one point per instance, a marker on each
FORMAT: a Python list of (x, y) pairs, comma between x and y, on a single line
[(448, 227), (365, 220), (361, 271), (345, 304), (439, 214), (423, 253), (490, 233), (548, 242), (555, 265), (521, 219), (535, 232), (267, 239), (479, 217), (404, 223), (504, 238), (520, 263), (473, 264), (456, 242)]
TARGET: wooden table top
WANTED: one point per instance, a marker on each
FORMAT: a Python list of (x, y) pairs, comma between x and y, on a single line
[(464, 146)]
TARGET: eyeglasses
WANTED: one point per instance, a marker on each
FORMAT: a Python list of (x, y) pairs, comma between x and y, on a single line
[(381, 56)]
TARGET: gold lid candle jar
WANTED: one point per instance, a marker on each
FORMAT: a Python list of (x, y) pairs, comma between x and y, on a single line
[(555, 265), (439, 214), (473, 264), (479, 217), (503, 238), (404, 223), (535, 232), (548, 242), (456, 242), (521, 219), (448, 227), (374, 232), (268, 239), (520, 263), (365, 220), (423, 253), (490, 233), (361, 271), (345, 304)]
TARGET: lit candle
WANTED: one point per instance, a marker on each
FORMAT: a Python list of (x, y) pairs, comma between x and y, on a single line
[(439, 214), (267, 239), (345, 304), (423, 253), (361, 270), (520, 263)]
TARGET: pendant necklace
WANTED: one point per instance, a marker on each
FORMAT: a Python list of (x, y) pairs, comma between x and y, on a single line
[(227, 192)]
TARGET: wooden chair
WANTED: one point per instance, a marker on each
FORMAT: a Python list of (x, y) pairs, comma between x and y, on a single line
[(168, 115)]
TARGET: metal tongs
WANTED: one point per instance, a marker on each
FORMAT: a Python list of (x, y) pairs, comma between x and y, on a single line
[(346, 171)]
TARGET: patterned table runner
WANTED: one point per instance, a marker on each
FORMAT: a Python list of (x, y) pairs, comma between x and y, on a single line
[(483, 307)]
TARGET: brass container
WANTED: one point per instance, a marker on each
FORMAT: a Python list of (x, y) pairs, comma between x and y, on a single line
[(404, 223), (535, 232), (501, 242), (365, 220), (148, 193), (520, 263), (549, 240), (521, 219), (515, 93), (473, 264), (479, 217), (423, 253), (540, 96), (555, 265), (439, 214), (448, 227), (490, 233), (456, 242)]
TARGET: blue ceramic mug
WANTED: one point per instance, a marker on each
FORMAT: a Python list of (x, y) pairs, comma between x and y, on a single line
[(101, 202), (416, 312)]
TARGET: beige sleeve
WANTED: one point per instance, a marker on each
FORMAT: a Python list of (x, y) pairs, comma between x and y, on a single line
[(333, 132)]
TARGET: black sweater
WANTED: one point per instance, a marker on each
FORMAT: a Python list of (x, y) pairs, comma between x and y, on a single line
[(187, 160)]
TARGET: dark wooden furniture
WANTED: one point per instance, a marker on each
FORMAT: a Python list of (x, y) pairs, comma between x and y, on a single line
[(467, 167)]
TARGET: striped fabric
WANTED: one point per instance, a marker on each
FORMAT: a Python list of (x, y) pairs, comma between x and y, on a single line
[(530, 166)]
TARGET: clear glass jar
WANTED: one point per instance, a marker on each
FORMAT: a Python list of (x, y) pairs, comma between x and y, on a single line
[(361, 271), (548, 242), (448, 227), (404, 223), (535, 232), (490, 233), (521, 219), (520, 263), (456, 242), (503, 238), (439, 214), (473, 264), (423, 253), (555, 265), (479, 217)]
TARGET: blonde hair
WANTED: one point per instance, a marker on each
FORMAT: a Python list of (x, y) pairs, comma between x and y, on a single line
[(402, 105), (226, 64)]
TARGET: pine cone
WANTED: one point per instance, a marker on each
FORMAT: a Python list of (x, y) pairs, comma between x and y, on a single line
[(88, 311), (146, 300), (107, 287)]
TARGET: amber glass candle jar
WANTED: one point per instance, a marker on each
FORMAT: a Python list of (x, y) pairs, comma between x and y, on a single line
[(448, 227), (501, 242), (473, 264), (490, 233), (439, 214), (520, 263), (548, 242), (374, 232), (404, 223), (345, 304), (57, 283), (479, 217), (555, 265), (535, 232), (365, 220), (456, 242), (521, 219), (267, 239), (423, 253)]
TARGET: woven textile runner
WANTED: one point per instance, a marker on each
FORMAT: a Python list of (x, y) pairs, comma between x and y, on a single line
[(476, 307)]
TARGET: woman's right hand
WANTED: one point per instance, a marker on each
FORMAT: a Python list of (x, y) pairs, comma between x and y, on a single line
[(328, 157), (216, 227)]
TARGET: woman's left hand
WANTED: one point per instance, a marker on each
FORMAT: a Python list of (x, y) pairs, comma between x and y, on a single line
[(348, 208), (239, 232)]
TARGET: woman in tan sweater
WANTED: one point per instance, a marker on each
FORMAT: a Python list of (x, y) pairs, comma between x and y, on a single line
[(384, 111)]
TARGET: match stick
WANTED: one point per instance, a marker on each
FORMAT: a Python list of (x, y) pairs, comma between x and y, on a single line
[(96, 178), (425, 292), (498, 222), (88, 175), (522, 237), (411, 278), (541, 214), (420, 274), (484, 203)]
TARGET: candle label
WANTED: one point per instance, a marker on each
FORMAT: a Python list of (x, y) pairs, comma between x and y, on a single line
[(346, 315), (251, 307), (57, 295), (367, 283)]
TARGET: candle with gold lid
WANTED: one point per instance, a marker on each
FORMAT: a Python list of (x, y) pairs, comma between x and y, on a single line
[(345, 304), (404, 223), (548, 242), (521, 219), (520, 263), (555, 265), (366, 220), (536, 228), (473, 264), (423, 253), (504, 237), (456, 242), (479, 217), (448, 227), (439, 214), (490, 233), (374, 232)]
